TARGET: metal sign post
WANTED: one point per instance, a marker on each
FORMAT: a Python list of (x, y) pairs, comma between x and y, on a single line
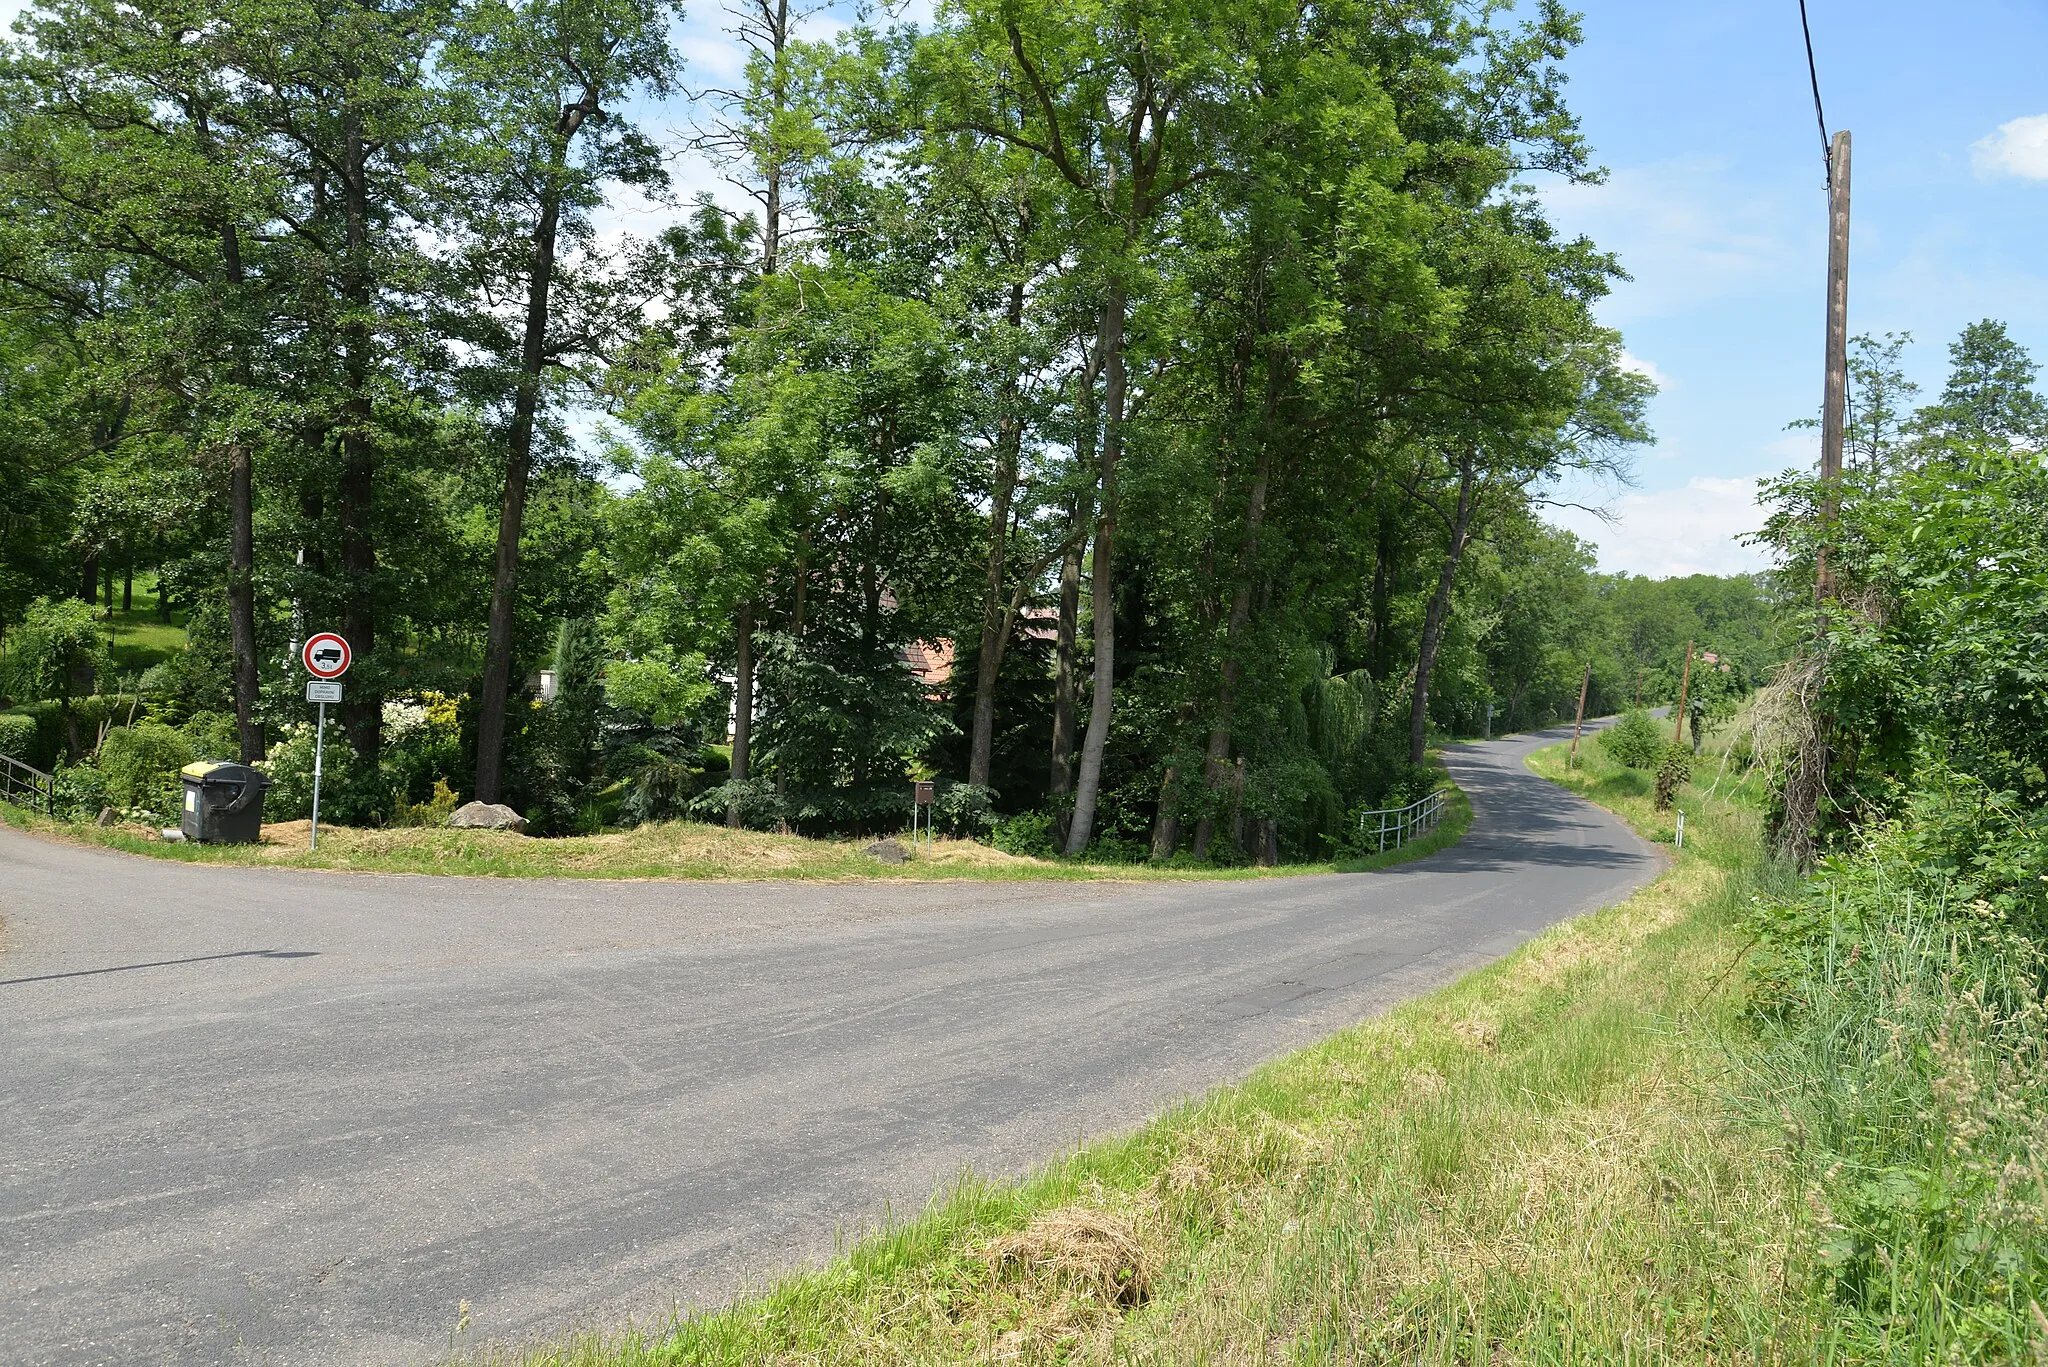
[(327, 658)]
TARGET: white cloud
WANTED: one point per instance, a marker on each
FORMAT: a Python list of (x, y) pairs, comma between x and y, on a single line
[(1689, 231), (1687, 530), (1647, 369), (2019, 148)]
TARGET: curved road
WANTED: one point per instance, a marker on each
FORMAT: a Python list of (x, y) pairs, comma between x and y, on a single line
[(269, 1116)]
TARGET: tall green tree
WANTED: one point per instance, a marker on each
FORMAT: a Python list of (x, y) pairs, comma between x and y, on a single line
[(540, 85)]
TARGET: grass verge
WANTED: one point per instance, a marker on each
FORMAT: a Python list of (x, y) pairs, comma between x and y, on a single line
[(669, 850), (1533, 1165)]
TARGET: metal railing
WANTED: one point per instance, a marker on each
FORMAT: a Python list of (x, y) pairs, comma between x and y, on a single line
[(18, 779), (1403, 824)]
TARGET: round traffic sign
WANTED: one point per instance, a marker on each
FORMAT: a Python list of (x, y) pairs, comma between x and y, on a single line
[(326, 656)]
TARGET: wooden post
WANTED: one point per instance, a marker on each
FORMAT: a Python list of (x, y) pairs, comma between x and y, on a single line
[(1835, 398), (1684, 681), (1580, 720)]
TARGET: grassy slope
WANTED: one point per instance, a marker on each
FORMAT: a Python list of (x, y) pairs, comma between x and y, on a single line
[(1533, 1165), (682, 849)]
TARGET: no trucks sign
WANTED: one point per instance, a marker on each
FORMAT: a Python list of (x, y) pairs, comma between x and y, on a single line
[(327, 656)]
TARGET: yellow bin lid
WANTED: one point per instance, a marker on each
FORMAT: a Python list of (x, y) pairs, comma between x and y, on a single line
[(201, 768)]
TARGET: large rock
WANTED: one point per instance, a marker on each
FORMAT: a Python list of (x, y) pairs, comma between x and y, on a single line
[(487, 816), (888, 851)]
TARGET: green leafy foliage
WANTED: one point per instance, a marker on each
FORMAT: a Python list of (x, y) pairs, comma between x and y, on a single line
[(1636, 740), (1674, 771), (18, 736), (141, 764)]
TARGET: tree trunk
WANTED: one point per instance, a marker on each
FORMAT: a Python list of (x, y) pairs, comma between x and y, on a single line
[(1218, 754), (355, 492), (497, 683), (89, 581), (241, 543), (1066, 686), (1439, 611), (128, 584), (742, 706), (994, 620), (1379, 649), (1102, 595)]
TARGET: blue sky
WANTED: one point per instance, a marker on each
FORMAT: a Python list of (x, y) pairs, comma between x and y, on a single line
[(1704, 117)]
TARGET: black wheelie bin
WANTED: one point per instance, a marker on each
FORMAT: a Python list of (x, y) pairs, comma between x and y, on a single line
[(223, 802)]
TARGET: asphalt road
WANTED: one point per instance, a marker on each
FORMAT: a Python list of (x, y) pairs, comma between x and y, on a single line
[(251, 1115)]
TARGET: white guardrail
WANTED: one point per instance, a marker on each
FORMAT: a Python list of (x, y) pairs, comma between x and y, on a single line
[(1403, 824)]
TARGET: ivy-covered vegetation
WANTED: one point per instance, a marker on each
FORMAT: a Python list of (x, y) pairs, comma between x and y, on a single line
[(1137, 417)]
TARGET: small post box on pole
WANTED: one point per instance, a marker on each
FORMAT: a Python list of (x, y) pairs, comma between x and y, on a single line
[(922, 794)]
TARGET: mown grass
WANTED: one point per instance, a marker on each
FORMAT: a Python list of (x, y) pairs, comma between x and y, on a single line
[(1536, 1164), (669, 850)]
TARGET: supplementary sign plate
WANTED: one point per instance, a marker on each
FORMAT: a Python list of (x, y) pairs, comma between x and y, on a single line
[(322, 692), (326, 655)]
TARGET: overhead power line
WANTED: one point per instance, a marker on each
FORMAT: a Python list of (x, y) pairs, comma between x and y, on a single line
[(1813, 73)]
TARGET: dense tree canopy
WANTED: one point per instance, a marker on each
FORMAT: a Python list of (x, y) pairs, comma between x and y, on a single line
[(1137, 415)]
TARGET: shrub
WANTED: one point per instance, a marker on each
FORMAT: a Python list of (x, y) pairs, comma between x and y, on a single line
[(213, 736), (18, 736), (422, 748), (435, 811), (964, 809), (1674, 771), (659, 791), (46, 744), (761, 807), (1635, 740), (349, 795), (1028, 834), (141, 764), (81, 792)]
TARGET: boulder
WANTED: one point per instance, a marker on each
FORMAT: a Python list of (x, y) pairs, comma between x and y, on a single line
[(888, 851), (107, 817), (487, 816)]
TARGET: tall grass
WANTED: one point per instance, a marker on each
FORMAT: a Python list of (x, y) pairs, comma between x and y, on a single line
[(1905, 1055)]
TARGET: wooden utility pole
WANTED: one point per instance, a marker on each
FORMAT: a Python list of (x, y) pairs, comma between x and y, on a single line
[(1580, 720), (1684, 682), (1835, 400)]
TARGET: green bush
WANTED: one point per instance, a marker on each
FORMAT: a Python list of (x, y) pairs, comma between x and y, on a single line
[(1674, 771), (1635, 740), (1027, 834), (81, 792), (964, 809), (435, 811), (213, 736), (760, 807), (46, 746), (18, 737), (349, 796), (141, 764)]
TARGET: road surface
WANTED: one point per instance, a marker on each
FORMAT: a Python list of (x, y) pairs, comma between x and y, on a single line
[(257, 1115)]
